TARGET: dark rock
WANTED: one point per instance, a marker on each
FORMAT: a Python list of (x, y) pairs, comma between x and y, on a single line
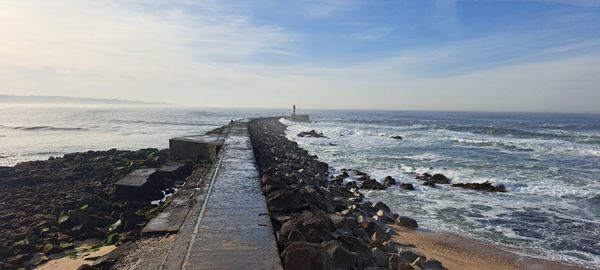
[(398, 263), (439, 178), (340, 256), (432, 264), (485, 186), (382, 259), (87, 267), (380, 237), (383, 207), (430, 183), (407, 186), (411, 256), (372, 184), (110, 259), (407, 222), (389, 181), (305, 256), (296, 235), (312, 134), (50, 248)]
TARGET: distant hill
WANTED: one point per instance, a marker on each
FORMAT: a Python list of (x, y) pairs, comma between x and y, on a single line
[(69, 100)]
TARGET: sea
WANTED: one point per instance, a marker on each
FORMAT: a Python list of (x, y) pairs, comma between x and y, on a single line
[(549, 163)]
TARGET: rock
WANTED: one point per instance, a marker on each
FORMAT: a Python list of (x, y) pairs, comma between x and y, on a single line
[(312, 134), (5, 252), (284, 201), (390, 247), (110, 259), (432, 264), (296, 235), (365, 255), (396, 137), (407, 222), (485, 186), (50, 248), (305, 256), (431, 180), (372, 184), (67, 246), (396, 263), (407, 186), (383, 207), (412, 257), (380, 237), (340, 256), (388, 181), (439, 178), (430, 183), (423, 176), (382, 259), (87, 267)]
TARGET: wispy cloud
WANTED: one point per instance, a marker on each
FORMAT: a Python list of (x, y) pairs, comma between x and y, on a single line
[(373, 33), (210, 53), (317, 9)]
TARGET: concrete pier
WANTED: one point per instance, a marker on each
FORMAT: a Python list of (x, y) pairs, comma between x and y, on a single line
[(225, 223)]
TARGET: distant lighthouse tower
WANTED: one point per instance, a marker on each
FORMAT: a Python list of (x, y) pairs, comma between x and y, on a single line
[(294, 110)]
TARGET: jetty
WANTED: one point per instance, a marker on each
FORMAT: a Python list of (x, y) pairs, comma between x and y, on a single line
[(220, 220)]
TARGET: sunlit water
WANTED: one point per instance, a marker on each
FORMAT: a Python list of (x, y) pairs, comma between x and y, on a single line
[(550, 163), (32, 132)]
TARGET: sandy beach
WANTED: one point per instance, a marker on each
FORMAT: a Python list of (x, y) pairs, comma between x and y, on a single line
[(457, 252)]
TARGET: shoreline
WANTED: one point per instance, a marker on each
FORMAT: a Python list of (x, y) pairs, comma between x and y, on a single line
[(329, 217), (460, 252)]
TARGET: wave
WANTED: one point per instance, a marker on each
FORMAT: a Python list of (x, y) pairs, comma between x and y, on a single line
[(35, 128), (533, 145), (171, 123)]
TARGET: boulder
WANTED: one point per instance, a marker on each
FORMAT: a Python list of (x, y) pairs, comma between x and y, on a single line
[(388, 181), (432, 264), (382, 206), (381, 258), (340, 256), (485, 186), (439, 178), (305, 256), (407, 186), (372, 184), (312, 134), (407, 222)]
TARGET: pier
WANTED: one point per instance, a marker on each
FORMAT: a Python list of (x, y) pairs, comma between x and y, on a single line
[(219, 221)]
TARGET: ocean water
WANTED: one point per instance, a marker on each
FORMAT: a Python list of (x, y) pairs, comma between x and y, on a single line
[(36, 132), (550, 163)]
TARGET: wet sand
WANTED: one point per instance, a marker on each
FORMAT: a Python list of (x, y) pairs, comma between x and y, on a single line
[(457, 252)]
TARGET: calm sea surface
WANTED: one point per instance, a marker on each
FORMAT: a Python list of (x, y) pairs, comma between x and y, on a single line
[(550, 163)]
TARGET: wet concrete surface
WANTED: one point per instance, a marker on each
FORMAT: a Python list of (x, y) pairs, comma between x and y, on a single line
[(235, 231), (227, 225)]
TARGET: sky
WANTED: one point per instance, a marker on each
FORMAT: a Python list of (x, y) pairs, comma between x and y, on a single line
[(456, 55)]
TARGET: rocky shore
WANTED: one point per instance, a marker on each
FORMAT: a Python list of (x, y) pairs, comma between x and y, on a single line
[(323, 224), (46, 207)]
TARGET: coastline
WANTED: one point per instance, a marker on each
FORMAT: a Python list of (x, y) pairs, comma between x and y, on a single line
[(460, 252), (330, 218)]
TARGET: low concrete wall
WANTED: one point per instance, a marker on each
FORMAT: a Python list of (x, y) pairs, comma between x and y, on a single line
[(299, 118), (195, 147)]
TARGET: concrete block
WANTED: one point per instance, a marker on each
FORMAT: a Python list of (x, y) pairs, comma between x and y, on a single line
[(133, 185), (194, 147)]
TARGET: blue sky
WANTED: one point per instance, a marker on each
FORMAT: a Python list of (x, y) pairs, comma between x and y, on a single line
[(486, 55)]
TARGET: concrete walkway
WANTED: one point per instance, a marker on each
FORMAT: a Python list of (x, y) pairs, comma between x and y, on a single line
[(228, 227)]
